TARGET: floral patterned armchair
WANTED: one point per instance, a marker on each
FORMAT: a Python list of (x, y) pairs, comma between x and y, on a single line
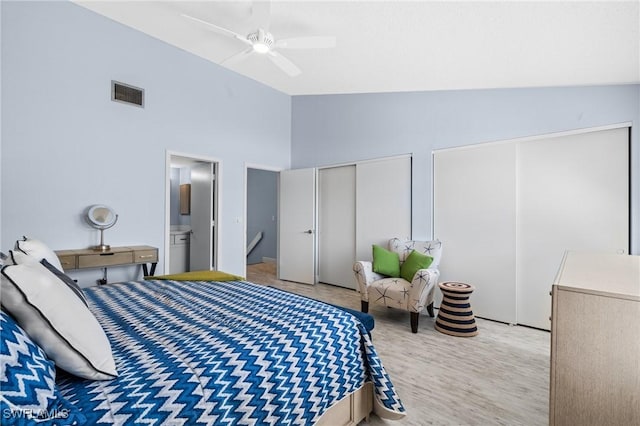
[(397, 292)]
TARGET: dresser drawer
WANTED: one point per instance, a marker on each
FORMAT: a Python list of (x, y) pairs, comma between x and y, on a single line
[(145, 256), (104, 259), (68, 262)]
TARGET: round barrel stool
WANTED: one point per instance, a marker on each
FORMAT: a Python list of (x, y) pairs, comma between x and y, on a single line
[(455, 316)]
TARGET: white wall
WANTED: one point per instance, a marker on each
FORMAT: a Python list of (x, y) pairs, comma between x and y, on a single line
[(336, 129), (66, 145)]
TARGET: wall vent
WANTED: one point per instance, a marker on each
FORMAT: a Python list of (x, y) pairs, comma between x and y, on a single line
[(127, 94)]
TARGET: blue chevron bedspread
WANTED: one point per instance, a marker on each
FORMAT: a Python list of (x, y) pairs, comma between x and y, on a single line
[(225, 353)]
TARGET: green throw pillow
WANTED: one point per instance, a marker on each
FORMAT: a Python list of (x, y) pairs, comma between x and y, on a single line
[(414, 262), (385, 262)]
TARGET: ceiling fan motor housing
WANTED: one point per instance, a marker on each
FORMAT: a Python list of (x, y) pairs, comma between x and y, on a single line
[(261, 37)]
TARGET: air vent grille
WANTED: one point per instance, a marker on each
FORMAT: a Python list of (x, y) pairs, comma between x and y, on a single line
[(127, 94)]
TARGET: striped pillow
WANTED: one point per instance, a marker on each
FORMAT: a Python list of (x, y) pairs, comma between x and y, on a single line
[(29, 392)]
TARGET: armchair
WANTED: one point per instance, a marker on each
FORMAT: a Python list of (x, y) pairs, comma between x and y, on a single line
[(397, 292)]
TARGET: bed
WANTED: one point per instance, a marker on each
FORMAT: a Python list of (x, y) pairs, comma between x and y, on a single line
[(225, 352)]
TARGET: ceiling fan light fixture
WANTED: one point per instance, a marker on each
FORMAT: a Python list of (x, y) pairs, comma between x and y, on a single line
[(261, 48), (261, 40)]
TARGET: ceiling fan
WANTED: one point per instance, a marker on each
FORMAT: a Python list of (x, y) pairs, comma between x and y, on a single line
[(262, 42)]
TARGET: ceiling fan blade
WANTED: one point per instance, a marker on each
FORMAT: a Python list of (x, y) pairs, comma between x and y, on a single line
[(218, 29), (306, 43), (284, 64), (261, 14), (237, 57)]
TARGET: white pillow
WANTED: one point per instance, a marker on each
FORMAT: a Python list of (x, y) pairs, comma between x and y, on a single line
[(17, 258), (57, 320), (39, 250)]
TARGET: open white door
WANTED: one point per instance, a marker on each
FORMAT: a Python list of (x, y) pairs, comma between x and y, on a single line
[(297, 237), (201, 245)]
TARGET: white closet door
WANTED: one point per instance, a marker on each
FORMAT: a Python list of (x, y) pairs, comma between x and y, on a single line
[(336, 225), (474, 217), (573, 194), (383, 203)]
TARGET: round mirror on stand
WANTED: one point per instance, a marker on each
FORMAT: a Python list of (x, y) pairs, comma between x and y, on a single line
[(101, 217)]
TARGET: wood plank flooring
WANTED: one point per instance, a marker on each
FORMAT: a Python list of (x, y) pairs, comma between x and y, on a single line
[(499, 377)]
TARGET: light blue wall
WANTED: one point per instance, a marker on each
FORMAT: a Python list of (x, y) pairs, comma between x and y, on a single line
[(262, 213), (334, 129), (66, 145)]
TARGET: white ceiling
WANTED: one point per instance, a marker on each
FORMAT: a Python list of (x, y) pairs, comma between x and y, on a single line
[(391, 46)]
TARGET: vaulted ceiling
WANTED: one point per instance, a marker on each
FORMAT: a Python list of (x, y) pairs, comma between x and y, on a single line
[(390, 46)]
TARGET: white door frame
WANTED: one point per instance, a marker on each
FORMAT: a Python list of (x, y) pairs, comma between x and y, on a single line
[(248, 166), (167, 202)]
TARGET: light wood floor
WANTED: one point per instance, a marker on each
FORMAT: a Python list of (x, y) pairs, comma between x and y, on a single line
[(499, 377)]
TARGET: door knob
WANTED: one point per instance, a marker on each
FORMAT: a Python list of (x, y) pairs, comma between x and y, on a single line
[(309, 231)]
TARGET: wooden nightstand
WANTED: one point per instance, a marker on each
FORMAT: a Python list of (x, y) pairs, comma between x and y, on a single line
[(116, 256)]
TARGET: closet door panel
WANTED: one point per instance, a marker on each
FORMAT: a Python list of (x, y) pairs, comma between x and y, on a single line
[(475, 218), (573, 194), (383, 203), (336, 230)]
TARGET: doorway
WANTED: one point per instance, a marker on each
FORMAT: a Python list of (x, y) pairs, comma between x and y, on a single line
[(261, 215), (191, 231)]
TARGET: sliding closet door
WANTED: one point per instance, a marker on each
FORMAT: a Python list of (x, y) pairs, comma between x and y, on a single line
[(337, 225), (507, 212), (383, 203), (573, 194), (475, 218)]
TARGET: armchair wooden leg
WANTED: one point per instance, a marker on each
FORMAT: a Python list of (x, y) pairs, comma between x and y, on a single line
[(364, 306), (430, 309), (414, 321)]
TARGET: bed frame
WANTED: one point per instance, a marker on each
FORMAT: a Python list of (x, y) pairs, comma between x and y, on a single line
[(351, 409)]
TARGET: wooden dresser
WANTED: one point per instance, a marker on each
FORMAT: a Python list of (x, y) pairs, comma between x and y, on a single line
[(595, 341), (116, 256)]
